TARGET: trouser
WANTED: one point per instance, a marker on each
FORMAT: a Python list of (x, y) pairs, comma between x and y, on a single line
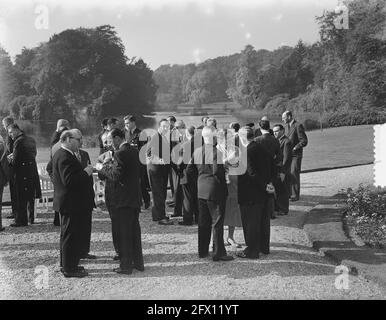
[(25, 210), (129, 237), (282, 194), (1, 205), (178, 193), (190, 202), (70, 239), (86, 222), (158, 183), (296, 166), (56, 219), (171, 181), (144, 184), (211, 220), (114, 227), (13, 193), (255, 219)]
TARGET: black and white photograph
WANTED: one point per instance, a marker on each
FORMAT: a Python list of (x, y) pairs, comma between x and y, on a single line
[(193, 150)]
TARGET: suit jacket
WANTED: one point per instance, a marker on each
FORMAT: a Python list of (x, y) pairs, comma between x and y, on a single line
[(271, 144), (252, 184), (71, 183), (123, 177), (4, 166), (24, 167), (134, 137), (286, 149), (186, 152), (85, 160), (207, 163), (158, 148), (298, 138)]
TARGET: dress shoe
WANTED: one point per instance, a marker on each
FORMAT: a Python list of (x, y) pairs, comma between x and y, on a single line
[(116, 258), (18, 225), (78, 268), (123, 271), (11, 216), (233, 243), (75, 274), (243, 255), (139, 267), (2, 229), (175, 215), (294, 199), (147, 205), (203, 255), (223, 258), (89, 256), (31, 222), (183, 223), (165, 222)]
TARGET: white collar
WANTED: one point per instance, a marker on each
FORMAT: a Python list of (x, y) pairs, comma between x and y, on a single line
[(292, 122), (63, 147), (264, 131), (124, 142)]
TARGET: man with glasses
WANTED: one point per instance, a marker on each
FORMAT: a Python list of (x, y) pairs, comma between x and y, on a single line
[(71, 199)]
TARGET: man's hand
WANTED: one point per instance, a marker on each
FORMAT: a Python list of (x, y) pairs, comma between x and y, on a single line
[(89, 170), (282, 176), (10, 157)]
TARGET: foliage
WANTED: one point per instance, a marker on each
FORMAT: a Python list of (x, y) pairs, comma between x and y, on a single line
[(366, 212)]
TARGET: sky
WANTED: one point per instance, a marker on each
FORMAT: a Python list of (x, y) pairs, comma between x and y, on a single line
[(167, 31)]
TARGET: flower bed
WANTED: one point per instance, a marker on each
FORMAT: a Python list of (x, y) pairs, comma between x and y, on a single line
[(366, 214)]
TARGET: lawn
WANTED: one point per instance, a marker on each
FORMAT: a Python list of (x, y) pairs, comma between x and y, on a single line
[(331, 147)]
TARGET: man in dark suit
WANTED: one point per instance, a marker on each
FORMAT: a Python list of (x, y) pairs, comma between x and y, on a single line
[(132, 134), (268, 141), (282, 184), (207, 163), (86, 219), (72, 199), (124, 173), (188, 184), (254, 187), (8, 150), (158, 166), (25, 174), (296, 133)]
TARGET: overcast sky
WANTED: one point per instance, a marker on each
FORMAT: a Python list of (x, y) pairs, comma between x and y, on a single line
[(167, 31)]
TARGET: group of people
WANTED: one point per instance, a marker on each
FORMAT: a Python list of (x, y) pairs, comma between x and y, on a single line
[(237, 177)]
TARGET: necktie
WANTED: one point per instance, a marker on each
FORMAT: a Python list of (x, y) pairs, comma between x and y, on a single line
[(77, 155)]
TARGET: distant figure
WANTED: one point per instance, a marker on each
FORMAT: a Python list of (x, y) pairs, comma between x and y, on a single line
[(25, 174), (124, 174), (71, 200), (207, 163), (158, 159), (253, 188), (258, 130), (296, 133), (8, 150), (211, 122), (173, 140), (102, 136), (203, 123), (282, 184), (4, 176), (132, 134), (61, 126), (188, 183)]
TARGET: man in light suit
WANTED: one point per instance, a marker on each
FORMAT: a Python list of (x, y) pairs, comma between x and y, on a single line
[(72, 200), (212, 194), (124, 173), (296, 133)]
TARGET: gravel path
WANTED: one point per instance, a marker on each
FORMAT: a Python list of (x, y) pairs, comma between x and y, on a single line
[(173, 270)]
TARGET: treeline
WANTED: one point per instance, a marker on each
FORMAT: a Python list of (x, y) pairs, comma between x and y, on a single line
[(345, 71), (79, 74)]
